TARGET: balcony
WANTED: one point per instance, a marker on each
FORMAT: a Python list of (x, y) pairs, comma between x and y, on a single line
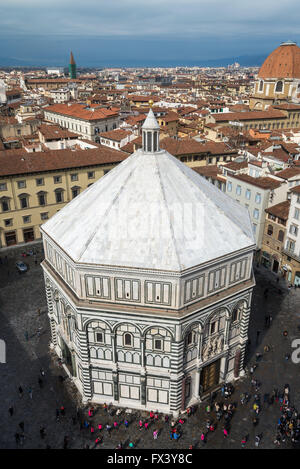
[(292, 254)]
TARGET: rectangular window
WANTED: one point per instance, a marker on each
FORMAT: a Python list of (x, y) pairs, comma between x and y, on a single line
[(8, 222), (91, 174), (254, 227), (3, 186), (157, 344), (290, 245), (296, 214), (26, 219), (21, 184), (56, 179), (39, 181), (258, 198), (256, 214), (74, 177), (44, 216), (99, 337), (238, 190), (229, 186), (149, 141), (294, 230), (248, 194)]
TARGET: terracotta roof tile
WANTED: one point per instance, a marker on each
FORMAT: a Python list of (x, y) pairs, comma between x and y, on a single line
[(54, 132), (288, 173), (262, 182), (116, 135), (280, 210), (248, 116), (189, 145), (14, 162), (81, 111), (283, 62)]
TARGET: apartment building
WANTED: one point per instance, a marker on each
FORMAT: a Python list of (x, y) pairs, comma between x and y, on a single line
[(256, 194), (291, 252), (34, 186), (84, 120), (274, 235)]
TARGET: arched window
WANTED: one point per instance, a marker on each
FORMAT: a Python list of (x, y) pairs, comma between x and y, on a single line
[(261, 85), (279, 86), (5, 204), (189, 339), (270, 230), (214, 326), (42, 198), (24, 200), (128, 340), (280, 235), (75, 191), (235, 314), (59, 195)]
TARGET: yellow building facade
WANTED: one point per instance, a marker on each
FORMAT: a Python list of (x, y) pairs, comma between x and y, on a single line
[(27, 200)]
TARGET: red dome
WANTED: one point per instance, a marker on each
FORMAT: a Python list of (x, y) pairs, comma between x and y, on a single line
[(283, 62)]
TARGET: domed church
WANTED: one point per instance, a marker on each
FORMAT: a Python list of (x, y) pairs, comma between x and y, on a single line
[(148, 277), (278, 79)]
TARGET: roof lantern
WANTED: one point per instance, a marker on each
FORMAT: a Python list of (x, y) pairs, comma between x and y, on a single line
[(150, 131)]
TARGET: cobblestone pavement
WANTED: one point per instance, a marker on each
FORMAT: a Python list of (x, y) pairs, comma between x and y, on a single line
[(23, 294)]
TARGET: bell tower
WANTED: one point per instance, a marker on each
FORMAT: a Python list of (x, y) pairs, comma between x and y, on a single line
[(72, 67)]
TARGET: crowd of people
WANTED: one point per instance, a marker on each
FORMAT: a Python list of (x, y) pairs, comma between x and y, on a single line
[(98, 424)]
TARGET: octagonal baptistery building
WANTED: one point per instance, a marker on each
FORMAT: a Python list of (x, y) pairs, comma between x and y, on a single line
[(278, 79), (148, 277)]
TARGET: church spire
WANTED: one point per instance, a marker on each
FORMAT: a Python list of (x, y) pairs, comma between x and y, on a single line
[(72, 61), (72, 67), (150, 131)]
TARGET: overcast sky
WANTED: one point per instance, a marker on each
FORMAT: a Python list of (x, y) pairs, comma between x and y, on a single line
[(120, 31)]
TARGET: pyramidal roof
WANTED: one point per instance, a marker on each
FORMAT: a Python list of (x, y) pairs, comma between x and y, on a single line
[(151, 122), (151, 212), (72, 61)]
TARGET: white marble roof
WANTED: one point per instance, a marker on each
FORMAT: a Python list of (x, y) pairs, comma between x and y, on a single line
[(153, 212)]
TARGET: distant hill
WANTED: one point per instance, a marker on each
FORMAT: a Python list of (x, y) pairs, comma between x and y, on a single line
[(244, 60)]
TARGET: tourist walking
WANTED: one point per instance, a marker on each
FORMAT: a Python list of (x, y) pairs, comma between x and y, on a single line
[(108, 429), (257, 440)]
